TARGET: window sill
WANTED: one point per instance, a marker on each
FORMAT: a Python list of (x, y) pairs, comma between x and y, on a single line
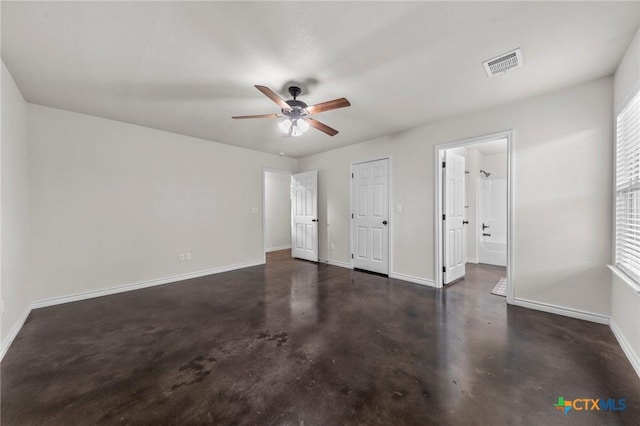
[(626, 278)]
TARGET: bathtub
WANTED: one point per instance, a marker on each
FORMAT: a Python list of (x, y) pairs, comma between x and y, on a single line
[(492, 252), (492, 220)]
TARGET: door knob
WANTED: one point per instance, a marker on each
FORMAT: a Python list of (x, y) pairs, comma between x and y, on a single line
[(465, 222), (314, 220), (484, 226), (384, 222)]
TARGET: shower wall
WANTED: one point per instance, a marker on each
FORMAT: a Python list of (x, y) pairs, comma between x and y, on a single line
[(491, 193), (496, 164), (473, 156), (492, 217)]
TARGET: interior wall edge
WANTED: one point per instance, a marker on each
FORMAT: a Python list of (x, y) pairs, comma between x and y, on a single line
[(562, 310), (140, 285), (270, 249), (633, 357), (411, 279), (6, 343), (336, 263), (15, 208)]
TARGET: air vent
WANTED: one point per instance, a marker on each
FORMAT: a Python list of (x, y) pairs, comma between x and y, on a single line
[(503, 63)]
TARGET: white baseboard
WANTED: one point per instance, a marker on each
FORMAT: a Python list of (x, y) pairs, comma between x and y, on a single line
[(336, 263), (626, 347), (561, 310), (472, 260), (139, 285), (412, 279), (270, 249), (14, 332)]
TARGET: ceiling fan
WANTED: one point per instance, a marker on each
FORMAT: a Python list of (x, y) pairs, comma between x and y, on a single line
[(298, 113)]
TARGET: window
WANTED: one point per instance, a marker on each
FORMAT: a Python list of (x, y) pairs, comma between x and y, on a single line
[(628, 189)]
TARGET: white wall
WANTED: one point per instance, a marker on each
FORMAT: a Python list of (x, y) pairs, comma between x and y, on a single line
[(625, 301), (627, 76), (114, 204), (563, 193), (277, 210), (15, 208)]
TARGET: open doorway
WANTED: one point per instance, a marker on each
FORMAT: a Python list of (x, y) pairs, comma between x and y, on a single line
[(473, 199), (277, 210)]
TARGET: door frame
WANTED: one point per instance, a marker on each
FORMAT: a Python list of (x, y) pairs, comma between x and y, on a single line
[(390, 205), (266, 170), (438, 191)]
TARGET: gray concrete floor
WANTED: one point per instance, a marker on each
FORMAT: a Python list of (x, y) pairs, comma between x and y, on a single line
[(295, 342)]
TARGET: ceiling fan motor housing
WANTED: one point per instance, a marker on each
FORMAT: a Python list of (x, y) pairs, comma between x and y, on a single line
[(296, 104), (297, 107)]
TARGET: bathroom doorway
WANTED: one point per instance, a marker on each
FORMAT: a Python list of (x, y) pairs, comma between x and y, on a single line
[(276, 211), (473, 200)]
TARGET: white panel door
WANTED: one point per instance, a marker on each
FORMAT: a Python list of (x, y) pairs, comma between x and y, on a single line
[(370, 227), (453, 241), (304, 215)]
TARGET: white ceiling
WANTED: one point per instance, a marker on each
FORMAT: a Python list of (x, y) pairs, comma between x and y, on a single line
[(187, 67)]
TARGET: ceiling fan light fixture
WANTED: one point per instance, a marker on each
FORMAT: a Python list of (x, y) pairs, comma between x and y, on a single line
[(302, 124), (295, 127), (298, 127), (285, 125)]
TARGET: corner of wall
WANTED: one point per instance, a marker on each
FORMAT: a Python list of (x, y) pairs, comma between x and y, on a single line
[(626, 80), (15, 285)]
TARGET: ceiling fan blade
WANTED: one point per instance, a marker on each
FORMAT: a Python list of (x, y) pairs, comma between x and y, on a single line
[(329, 105), (273, 96), (321, 126), (259, 116)]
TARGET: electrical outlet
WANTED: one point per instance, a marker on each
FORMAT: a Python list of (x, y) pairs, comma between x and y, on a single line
[(181, 257), (333, 246), (254, 210), (188, 257), (399, 208)]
